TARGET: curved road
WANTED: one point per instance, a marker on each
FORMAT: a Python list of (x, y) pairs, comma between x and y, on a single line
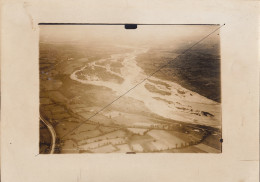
[(52, 131)]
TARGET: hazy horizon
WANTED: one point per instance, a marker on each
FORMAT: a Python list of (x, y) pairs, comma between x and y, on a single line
[(116, 34)]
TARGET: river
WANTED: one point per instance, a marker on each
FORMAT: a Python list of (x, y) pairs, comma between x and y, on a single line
[(165, 98)]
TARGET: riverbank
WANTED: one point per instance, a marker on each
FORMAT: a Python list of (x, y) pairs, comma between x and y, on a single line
[(143, 120)]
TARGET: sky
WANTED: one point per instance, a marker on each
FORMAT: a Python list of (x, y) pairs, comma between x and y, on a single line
[(117, 34)]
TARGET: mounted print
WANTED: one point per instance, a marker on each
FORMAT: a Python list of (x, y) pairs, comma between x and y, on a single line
[(119, 89)]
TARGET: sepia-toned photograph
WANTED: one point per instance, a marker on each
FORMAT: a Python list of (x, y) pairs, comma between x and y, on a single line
[(110, 89)]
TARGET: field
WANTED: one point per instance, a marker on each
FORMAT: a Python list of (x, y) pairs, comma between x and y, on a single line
[(197, 70), (77, 81)]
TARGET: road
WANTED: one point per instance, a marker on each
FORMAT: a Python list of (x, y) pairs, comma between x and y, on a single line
[(52, 131)]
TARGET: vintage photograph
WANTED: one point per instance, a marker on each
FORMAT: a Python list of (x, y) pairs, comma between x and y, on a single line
[(108, 89)]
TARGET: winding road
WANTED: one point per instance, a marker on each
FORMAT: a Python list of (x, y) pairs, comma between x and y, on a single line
[(52, 131)]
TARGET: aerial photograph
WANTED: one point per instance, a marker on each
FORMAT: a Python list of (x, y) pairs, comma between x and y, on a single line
[(108, 89)]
